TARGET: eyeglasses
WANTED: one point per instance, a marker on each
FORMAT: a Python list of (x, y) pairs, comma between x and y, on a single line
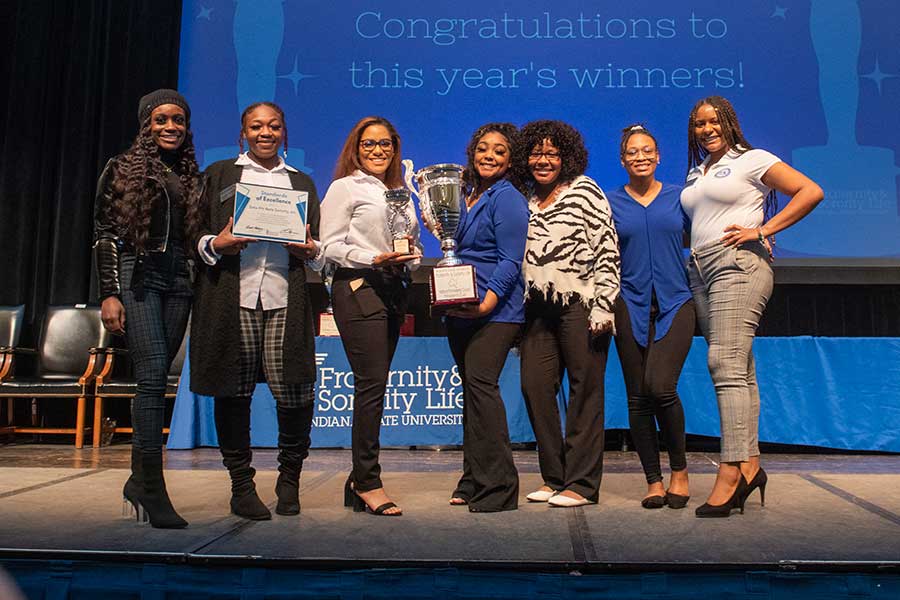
[(368, 145), (635, 153), (552, 155)]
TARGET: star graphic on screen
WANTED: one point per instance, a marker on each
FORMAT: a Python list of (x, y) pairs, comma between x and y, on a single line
[(205, 13), (779, 12), (295, 76), (877, 75)]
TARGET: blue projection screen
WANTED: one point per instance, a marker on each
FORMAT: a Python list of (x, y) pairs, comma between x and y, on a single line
[(814, 81)]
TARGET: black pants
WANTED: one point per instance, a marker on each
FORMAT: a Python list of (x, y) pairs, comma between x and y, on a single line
[(369, 308), (155, 320), (558, 339), (651, 380), (490, 481)]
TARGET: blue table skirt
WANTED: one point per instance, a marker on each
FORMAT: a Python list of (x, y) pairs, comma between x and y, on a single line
[(829, 392)]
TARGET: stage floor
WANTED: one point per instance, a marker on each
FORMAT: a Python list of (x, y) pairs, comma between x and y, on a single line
[(822, 511)]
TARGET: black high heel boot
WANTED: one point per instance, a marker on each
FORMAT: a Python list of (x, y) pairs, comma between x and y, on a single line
[(759, 481), (708, 510), (134, 486), (152, 499), (294, 425)]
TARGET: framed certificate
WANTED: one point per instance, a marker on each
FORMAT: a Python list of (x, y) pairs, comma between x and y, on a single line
[(268, 213)]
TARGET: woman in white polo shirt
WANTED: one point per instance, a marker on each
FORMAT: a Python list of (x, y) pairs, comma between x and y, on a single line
[(729, 192)]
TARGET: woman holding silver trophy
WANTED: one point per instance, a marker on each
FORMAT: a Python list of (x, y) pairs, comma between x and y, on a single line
[(369, 290), (490, 237), (571, 272)]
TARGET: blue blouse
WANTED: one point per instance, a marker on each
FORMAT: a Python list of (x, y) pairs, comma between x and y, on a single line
[(650, 243), (491, 237)]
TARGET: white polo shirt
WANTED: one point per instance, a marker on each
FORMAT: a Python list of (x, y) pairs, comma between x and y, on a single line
[(353, 226), (731, 191)]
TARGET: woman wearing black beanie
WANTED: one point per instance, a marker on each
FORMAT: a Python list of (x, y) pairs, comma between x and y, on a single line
[(146, 212)]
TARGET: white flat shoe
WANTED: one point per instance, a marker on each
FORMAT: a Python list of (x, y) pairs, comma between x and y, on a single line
[(561, 501), (540, 496)]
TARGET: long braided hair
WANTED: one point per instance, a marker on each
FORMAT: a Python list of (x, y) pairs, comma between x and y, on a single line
[(138, 183), (276, 108), (734, 138)]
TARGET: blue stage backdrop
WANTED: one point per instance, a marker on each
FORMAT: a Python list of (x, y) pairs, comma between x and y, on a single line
[(829, 392), (814, 81)]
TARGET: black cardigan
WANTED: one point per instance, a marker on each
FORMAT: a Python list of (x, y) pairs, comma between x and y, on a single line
[(215, 323)]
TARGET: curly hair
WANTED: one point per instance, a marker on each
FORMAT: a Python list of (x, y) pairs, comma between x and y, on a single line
[(631, 130), (470, 175), (566, 138), (734, 138), (138, 180), (348, 160)]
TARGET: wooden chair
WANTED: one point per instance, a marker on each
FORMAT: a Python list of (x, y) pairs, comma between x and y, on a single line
[(71, 352), (12, 319), (110, 385)]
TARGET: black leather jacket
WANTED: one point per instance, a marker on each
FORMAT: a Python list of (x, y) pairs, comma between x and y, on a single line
[(110, 243)]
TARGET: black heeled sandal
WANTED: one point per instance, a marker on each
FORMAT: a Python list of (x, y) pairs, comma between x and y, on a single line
[(708, 510), (759, 481), (354, 501)]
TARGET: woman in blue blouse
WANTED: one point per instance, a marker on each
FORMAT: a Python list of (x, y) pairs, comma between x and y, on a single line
[(654, 313), (491, 237)]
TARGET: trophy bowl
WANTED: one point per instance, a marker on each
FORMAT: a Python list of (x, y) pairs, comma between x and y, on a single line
[(441, 195)]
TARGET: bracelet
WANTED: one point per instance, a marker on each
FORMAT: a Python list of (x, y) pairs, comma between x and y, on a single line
[(759, 236)]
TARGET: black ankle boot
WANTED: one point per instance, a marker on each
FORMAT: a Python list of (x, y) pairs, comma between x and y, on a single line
[(152, 497), (245, 501), (294, 425)]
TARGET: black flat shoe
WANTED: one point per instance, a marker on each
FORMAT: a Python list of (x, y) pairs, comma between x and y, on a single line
[(676, 500), (707, 510), (759, 481), (654, 501)]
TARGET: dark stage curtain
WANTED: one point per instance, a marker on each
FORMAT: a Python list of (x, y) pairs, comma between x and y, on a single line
[(73, 71)]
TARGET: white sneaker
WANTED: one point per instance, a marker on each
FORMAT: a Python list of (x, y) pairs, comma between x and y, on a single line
[(561, 501), (540, 496)]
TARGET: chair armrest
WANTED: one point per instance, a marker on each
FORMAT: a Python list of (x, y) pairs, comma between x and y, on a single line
[(17, 350)]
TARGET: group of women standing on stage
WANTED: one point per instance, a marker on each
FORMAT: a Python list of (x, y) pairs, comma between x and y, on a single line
[(561, 267)]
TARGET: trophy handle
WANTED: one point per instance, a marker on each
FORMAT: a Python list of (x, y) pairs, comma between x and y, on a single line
[(409, 174)]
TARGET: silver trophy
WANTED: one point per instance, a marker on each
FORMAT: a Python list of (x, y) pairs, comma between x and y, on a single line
[(398, 220), (440, 194)]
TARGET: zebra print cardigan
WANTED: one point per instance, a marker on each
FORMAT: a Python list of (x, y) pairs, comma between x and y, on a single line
[(572, 248)]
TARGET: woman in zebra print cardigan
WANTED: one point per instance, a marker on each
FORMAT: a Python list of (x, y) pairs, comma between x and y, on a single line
[(571, 272)]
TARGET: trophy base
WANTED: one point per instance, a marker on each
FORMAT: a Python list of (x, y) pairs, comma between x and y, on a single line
[(328, 326), (451, 286), (402, 246)]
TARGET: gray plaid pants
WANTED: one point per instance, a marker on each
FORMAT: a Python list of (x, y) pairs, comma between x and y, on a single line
[(731, 287)]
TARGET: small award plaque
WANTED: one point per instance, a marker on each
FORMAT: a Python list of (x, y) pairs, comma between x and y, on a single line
[(327, 325), (453, 285), (268, 213)]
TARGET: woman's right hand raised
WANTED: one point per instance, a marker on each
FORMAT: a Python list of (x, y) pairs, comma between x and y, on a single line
[(226, 243), (112, 313)]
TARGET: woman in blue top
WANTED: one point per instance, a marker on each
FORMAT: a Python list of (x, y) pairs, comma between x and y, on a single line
[(654, 314), (491, 237)]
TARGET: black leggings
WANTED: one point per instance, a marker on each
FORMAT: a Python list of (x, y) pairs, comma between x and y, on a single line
[(651, 380)]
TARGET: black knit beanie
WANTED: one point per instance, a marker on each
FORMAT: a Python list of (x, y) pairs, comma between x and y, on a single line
[(158, 98)]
